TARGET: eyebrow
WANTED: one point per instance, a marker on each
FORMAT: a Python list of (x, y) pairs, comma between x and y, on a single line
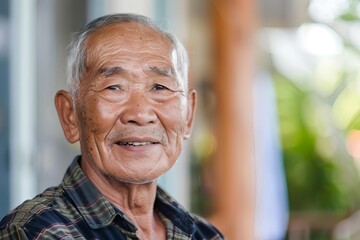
[(110, 71), (164, 71)]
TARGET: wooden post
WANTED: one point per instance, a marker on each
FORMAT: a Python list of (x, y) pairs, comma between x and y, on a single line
[(234, 32)]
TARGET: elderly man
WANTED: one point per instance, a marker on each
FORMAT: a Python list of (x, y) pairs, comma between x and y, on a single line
[(129, 106)]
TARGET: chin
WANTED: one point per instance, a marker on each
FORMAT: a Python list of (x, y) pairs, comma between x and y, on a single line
[(134, 181), (140, 173)]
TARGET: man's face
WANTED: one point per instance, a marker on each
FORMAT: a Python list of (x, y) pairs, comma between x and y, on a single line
[(132, 111)]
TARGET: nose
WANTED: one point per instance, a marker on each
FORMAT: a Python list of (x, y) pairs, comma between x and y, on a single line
[(138, 111)]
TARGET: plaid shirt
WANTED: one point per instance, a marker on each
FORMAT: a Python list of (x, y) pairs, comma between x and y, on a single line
[(76, 210)]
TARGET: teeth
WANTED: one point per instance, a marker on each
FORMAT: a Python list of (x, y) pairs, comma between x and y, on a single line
[(135, 143)]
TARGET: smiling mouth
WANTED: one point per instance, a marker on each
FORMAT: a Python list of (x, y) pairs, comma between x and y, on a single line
[(136, 143)]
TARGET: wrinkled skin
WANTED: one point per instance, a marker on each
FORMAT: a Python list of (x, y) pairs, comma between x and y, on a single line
[(131, 113)]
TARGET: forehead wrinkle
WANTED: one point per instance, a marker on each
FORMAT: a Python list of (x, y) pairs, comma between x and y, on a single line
[(150, 45)]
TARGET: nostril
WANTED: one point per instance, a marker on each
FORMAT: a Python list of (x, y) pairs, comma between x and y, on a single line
[(138, 114)]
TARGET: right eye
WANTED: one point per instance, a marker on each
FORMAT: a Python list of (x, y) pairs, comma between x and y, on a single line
[(160, 87)]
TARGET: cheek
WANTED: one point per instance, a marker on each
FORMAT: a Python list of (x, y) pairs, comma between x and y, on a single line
[(172, 117), (97, 118)]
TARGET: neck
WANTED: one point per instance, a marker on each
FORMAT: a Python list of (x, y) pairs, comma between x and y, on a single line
[(136, 201)]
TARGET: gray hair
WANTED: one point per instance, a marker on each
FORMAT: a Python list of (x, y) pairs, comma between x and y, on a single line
[(78, 51)]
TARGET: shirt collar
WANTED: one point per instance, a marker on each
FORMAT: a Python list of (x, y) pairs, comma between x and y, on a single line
[(174, 212)]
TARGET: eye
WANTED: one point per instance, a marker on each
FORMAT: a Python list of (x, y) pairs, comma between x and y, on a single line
[(113, 88), (160, 87)]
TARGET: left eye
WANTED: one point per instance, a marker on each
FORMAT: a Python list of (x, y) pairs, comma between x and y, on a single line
[(160, 87), (113, 88)]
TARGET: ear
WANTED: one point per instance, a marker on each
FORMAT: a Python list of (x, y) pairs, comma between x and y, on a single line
[(192, 98), (67, 115)]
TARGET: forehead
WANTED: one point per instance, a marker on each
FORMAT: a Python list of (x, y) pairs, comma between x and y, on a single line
[(132, 37)]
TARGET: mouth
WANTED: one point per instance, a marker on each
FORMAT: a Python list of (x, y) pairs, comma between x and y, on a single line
[(135, 144)]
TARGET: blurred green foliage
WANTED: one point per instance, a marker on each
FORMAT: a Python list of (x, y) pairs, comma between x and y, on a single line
[(314, 181), (321, 175)]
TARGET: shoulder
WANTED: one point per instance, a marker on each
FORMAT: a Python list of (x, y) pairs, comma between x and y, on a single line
[(32, 216), (204, 229), (29, 209)]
